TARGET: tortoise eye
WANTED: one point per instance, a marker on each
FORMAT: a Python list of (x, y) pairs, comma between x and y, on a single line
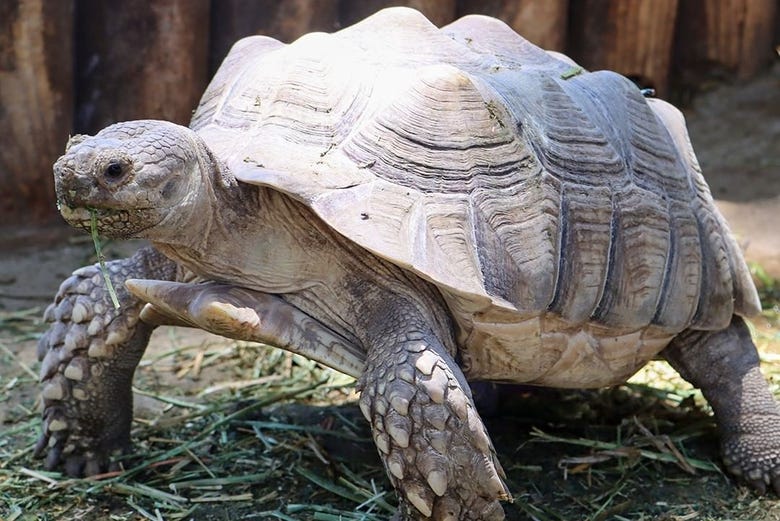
[(113, 171)]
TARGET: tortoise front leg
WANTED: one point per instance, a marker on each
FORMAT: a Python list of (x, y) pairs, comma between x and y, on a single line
[(89, 355), (725, 366), (245, 314), (434, 446)]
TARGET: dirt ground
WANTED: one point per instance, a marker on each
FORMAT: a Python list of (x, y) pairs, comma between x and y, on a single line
[(736, 132)]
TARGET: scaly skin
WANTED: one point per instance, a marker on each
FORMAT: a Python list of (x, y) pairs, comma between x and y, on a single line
[(435, 449), (725, 366), (89, 355)]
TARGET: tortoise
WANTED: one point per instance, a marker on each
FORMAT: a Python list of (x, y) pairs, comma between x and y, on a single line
[(419, 208)]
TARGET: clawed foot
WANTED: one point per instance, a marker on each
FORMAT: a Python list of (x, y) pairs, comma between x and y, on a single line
[(88, 358), (435, 448), (753, 455)]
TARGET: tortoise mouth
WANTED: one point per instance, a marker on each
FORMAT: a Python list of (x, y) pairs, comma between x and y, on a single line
[(110, 222)]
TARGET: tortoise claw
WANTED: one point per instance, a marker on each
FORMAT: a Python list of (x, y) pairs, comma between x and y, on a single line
[(53, 457), (41, 445), (93, 467), (758, 485), (74, 465), (753, 456)]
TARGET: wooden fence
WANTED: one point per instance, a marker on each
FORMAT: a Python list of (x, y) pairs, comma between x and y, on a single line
[(74, 66)]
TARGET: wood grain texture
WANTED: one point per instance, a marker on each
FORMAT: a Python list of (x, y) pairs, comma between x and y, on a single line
[(140, 60), (36, 99), (542, 22), (439, 12), (718, 39), (284, 21), (536, 197), (632, 37)]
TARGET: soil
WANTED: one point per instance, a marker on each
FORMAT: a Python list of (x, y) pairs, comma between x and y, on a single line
[(736, 133)]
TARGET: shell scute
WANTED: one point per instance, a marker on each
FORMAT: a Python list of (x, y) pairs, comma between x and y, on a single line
[(637, 260), (516, 238), (441, 135), (586, 216)]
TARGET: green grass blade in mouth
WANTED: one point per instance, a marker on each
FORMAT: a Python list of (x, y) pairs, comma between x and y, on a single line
[(101, 259)]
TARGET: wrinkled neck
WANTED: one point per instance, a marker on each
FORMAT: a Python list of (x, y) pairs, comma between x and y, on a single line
[(211, 209)]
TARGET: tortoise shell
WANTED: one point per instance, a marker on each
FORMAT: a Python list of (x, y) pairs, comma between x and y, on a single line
[(562, 215)]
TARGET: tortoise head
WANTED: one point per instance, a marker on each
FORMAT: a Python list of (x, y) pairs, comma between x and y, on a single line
[(141, 178)]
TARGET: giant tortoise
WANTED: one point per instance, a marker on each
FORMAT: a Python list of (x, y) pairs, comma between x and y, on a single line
[(419, 208)]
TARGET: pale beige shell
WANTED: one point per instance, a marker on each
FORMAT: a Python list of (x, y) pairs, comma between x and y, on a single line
[(544, 201)]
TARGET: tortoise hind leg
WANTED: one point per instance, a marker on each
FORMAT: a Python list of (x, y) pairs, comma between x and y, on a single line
[(89, 355), (725, 366)]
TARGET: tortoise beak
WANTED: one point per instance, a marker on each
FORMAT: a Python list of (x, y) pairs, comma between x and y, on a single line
[(74, 189)]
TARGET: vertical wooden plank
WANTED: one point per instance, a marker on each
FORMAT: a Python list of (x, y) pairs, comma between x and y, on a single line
[(139, 59), (439, 12), (36, 103), (720, 38), (633, 37), (284, 20), (542, 22)]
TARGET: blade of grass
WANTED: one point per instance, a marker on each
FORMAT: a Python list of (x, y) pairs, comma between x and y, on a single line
[(21, 364), (101, 259), (603, 445), (222, 498), (360, 485), (139, 489), (328, 513), (141, 510), (311, 429), (328, 485), (170, 400), (38, 475), (274, 513), (220, 482)]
